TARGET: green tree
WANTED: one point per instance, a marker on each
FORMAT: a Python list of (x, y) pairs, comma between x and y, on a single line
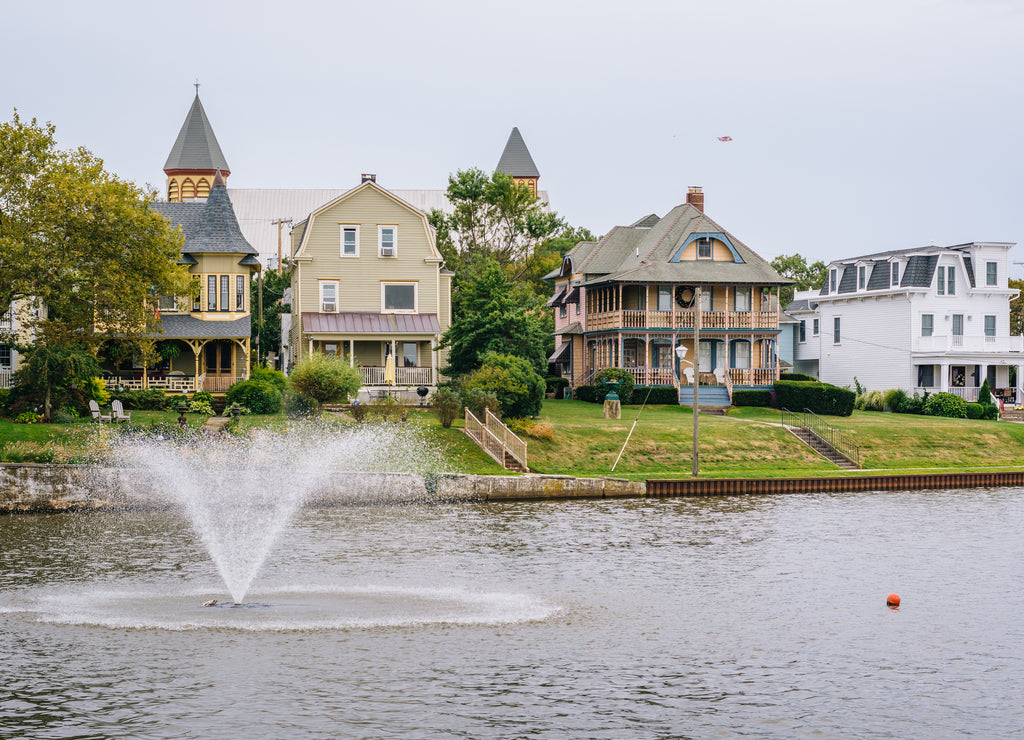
[(1017, 309), (489, 318), (804, 276), (268, 328), (81, 241), (492, 218), (325, 379), (518, 387), (54, 377)]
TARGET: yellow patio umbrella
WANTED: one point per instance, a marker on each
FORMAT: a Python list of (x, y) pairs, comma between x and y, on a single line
[(389, 370)]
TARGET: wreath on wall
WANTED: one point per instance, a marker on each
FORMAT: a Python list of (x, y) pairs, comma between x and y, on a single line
[(685, 295)]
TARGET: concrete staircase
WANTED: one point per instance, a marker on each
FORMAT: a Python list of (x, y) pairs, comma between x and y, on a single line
[(823, 448)]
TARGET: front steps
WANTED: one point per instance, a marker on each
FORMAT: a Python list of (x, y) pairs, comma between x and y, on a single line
[(823, 448), (708, 395)]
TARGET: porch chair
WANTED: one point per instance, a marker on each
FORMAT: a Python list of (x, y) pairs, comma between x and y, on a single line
[(720, 375), (688, 374), (118, 411), (94, 409)]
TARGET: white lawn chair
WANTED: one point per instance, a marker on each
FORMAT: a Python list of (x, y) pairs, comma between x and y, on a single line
[(688, 374), (118, 409), (94, 409), (720, 375)]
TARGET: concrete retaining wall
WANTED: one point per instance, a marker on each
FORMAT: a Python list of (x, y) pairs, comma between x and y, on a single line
[(49, 488)]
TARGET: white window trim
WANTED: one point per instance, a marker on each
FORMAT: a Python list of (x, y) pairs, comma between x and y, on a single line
[(415, 296), (341, 235), (380, 242), (711, 247), (815, 327), (323, 308)]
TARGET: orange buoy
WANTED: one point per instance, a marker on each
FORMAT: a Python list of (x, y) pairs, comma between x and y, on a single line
[(892, 600)]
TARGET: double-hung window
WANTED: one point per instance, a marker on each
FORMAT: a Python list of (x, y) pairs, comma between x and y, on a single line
[(239, 292), (704, 248), (835, 330), (225, 292), (991, 273), (990, 328), (814, 330), (388, 246), (211, 292), (707, 298), (5, 355), (950, 281), (803, 331), (349, 241), (895, 281), (942, 281), (664, 298), (927, 324), (398, 297), (197, 293), (831, 281), (862, 277), (742, 298), (328, 296)]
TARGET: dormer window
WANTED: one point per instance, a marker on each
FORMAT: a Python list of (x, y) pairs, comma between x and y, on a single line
[(704, 248), (895, 281), (832, 281), (862, 279)]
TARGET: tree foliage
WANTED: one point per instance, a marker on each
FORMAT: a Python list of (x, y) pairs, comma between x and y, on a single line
[(804, 276), (268, 327), (57, 376), (1017, 308), (79, 240), (489, 318), (325, 379), (517, 386)]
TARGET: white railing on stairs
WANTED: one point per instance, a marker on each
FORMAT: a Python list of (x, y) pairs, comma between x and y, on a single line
[(495, 439)]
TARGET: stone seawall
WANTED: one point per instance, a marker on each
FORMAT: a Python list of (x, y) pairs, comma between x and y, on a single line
[(27, 487)]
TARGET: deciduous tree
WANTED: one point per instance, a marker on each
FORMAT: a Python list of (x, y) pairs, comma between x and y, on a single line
[(804, 276)]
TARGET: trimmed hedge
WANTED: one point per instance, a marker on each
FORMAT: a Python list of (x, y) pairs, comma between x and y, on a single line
[(655, 394), (751, 398), (946, 404), (798, 376), (152, 399), (556, 385), (625, 378), (259, 396), (590, 393), (821, 398)]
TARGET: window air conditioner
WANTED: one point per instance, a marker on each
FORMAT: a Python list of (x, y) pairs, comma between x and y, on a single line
[(328, 307), (387, 251)]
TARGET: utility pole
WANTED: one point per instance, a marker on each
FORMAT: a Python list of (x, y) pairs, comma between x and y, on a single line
[(279, 222)]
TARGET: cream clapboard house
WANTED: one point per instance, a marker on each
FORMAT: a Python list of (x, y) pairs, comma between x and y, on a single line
[(368, 283)]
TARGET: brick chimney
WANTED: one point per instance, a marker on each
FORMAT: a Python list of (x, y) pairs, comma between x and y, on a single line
[(695, 197)]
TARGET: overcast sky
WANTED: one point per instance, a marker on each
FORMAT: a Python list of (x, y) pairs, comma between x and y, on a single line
[(856, 126)]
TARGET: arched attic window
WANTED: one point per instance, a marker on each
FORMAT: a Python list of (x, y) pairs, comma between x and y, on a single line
[(172, 191), (203, 188), (188, 188)]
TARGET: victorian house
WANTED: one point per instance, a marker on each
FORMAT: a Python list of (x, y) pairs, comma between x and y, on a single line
[(205, 336), (632, 299)]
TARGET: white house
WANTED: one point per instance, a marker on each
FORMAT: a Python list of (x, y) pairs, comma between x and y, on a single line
[(933, 318)]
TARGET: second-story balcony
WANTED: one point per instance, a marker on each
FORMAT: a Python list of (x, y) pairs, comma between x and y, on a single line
[(959, 343), (682, 319)]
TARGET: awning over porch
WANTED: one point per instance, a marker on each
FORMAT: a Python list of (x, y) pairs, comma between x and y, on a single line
[(561, 354), (556, 299), (352, 322)]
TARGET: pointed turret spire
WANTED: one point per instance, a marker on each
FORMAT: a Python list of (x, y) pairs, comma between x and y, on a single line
[(194, 158), (516, 161)]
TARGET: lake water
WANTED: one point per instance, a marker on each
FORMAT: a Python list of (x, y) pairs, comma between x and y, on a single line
[(741, 616)]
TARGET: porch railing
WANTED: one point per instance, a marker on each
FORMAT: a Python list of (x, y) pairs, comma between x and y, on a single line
[(220, 383), (715, 320), (167, 382), (496, 439), (652, 375), (752, 376), (831, 436), (6, 378), (374, 375)]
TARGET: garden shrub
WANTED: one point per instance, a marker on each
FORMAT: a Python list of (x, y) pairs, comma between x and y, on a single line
[(985, 393), (388, 409), (447, 405), (477, 399), (626, 382), (946, 404), (751, 398), (65, 415), (874, 401), (975, 411), (518, 387), (268, 374), (28, 417), (259, 396), (359, 411), (201, 407), (821, 398), (589, 393), (655, 394), (911, 405), (530, 428), (296, 405), (556, 385), (325, 379), (97, 391), (203, 396), (893, 399), (798, 376), (151, 399)]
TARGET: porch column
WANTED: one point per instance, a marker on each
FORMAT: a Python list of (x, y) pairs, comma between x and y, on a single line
[(351, 352), (311, 346), (944, 377), (1018, 390), (433, 363), (622, 362)]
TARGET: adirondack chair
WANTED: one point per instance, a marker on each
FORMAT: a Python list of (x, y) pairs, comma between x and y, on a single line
[(97, 416), (118, 408)]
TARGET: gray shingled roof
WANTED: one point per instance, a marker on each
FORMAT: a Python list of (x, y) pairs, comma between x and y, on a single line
[(196, 147), (209, 227), (848, 282), (919, 271), (515, 159), (802, 304), (969, 266), (642, 254), (183, 326)]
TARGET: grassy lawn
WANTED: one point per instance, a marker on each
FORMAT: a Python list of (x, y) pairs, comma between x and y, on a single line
[(585, 444)]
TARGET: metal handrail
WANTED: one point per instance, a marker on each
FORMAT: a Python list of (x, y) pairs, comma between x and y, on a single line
[(837, 440)]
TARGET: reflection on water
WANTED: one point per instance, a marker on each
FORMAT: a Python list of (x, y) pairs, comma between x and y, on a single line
[(664, 618)]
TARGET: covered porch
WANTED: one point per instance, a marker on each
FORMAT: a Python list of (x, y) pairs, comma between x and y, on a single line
[(963, 377), (394, 352)]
